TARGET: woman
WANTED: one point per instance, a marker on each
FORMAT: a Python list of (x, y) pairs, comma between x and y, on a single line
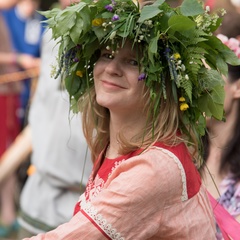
[(222, 172), (131, 72)]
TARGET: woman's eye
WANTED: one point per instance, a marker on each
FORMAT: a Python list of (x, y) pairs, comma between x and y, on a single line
[(107, 55), (133, 62)]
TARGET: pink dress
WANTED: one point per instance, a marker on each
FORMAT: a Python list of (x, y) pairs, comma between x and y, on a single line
[(230, 200), (151, 194)]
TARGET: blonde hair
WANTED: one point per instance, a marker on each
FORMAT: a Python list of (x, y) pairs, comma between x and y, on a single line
[(164, 127)]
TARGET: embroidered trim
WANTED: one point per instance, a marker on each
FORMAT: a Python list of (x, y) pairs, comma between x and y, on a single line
[(99, 220), (116, 164), (184, 196)]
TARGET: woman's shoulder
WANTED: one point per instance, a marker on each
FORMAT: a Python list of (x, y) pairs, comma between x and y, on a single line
[(174, 163)]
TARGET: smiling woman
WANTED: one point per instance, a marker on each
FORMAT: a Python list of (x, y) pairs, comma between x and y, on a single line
[(116, 82), (138, 75)]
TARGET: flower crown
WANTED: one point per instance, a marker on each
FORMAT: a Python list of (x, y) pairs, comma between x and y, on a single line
[(177, 41)]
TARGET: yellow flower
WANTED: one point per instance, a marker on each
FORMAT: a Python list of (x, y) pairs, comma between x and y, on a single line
[(97, 22), (176, 56), (181, 99), (79, 73), (31, 170), (184, 106)]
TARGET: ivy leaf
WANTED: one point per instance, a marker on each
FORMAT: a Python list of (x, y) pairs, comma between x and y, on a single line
[(191, 8), (181, 23), (150, 11)]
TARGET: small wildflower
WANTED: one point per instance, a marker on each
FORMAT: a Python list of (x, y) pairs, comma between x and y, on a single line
[(184, 106), (97, 22), (176, 56), (115, 17), (79, 73), (109, 7), (182, 99), (167, 50), (179, 77), (207, 8), (186, 77), (76, 59), (31, 170), (112, 35), (183, 67), (141, 77)]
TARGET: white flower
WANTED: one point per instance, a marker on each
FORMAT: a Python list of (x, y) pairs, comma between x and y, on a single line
[(113, 34)]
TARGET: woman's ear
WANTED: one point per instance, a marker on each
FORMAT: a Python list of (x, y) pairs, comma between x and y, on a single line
[(236, 93)]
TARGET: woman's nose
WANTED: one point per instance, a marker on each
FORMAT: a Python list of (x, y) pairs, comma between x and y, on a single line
[(114, 67)]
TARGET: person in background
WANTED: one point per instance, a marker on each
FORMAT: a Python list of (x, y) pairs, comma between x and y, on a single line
[(127, 67), (7, 4), (60, 161), (222, 152), (26, 29), (9, 122)]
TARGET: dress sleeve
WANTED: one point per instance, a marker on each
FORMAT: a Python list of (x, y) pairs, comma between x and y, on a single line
[(134, 204)]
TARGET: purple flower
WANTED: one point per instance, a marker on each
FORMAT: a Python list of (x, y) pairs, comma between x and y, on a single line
[(109, 7), (76, 59), (115, 17), (141, 77)]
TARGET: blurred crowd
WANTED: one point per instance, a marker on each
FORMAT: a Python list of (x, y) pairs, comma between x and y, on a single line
[(44, 160), (41, 164)]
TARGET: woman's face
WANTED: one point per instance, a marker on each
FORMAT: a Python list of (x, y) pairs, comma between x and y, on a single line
[(116, 80)]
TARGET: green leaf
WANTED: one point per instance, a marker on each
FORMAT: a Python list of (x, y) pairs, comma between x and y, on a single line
[(72, 83), (222, 65), (50, 13), (230, 56), (216, 110), (191, 8), (181, 23), (218, 95), (75, 31), (203, 105), (209, 107), (151, 11), (65, 22), (153, 45)]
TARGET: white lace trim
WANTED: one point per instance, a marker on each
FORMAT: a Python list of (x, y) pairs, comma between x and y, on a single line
[(116, 164), (100, 220), (184, 196)]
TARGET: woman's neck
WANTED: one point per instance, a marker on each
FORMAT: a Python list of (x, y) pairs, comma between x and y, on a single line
[(129, 126)]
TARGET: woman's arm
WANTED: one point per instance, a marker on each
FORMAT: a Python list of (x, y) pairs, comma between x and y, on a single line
[(142, 199), (16, 153)]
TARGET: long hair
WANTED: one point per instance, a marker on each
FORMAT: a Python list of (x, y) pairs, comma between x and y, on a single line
[(230, 159), (164, 126)]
